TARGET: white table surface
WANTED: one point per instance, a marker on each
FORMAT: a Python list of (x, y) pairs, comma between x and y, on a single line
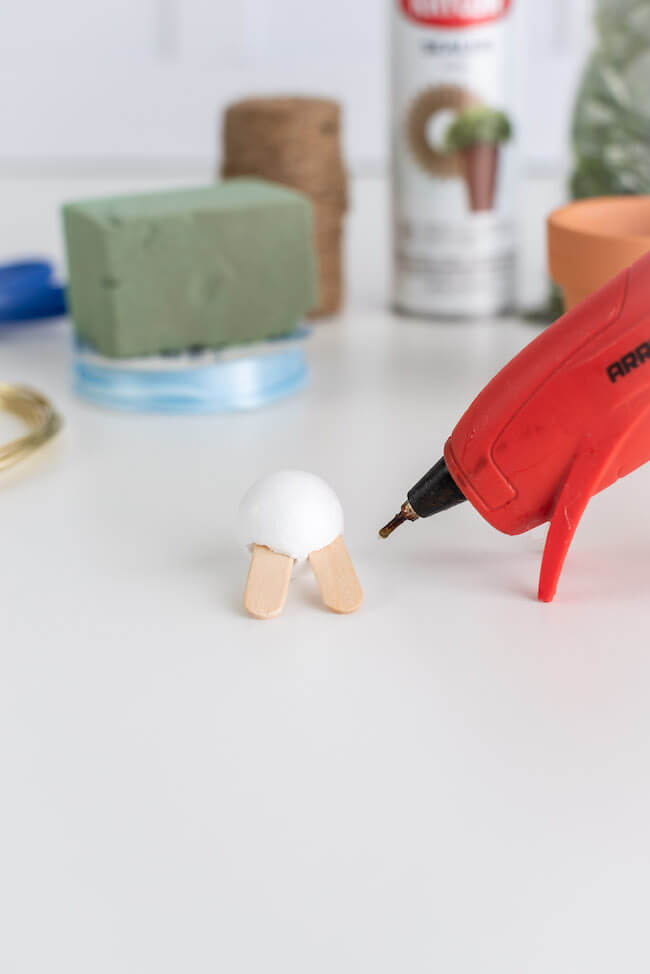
[(455, 779)]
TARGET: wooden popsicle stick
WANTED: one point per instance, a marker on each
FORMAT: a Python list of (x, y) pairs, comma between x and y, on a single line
[(336, 577), (268, 583)]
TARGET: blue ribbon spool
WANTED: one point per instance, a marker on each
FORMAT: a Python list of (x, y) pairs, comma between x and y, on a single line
[(216, 382)]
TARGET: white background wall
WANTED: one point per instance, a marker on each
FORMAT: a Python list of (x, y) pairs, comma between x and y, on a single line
[(124, 82)]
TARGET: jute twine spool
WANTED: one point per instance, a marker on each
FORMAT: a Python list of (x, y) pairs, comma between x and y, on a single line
[(296, 142)]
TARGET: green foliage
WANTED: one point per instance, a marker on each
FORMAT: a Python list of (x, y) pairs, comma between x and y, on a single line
[(477, 125), (611, 124)]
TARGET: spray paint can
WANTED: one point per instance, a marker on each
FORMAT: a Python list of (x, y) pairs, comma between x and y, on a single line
[(454, 103)]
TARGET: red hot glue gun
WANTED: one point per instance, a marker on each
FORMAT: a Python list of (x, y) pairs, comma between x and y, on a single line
[(564, 419)]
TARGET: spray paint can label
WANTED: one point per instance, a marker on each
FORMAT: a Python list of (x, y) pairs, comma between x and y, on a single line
[(454, 169)]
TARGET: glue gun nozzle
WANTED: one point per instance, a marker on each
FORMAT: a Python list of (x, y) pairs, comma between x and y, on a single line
[(392, 526), (406, 514)]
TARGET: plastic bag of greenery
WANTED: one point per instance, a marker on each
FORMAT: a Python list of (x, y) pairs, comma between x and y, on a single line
[(611, 120), (611, 126)]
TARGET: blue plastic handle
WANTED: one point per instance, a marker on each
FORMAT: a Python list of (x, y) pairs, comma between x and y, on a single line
[(28, 292)]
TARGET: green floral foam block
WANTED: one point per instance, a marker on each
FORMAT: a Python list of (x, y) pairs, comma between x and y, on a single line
[(166, 272)]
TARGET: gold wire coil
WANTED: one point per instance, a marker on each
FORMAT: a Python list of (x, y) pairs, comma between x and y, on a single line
[(37, 412)]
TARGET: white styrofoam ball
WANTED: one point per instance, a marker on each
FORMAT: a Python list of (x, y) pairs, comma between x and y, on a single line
[(291, 512)]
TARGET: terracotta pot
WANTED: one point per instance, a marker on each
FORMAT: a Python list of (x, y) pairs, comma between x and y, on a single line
[(591, 241), (480, 163)]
